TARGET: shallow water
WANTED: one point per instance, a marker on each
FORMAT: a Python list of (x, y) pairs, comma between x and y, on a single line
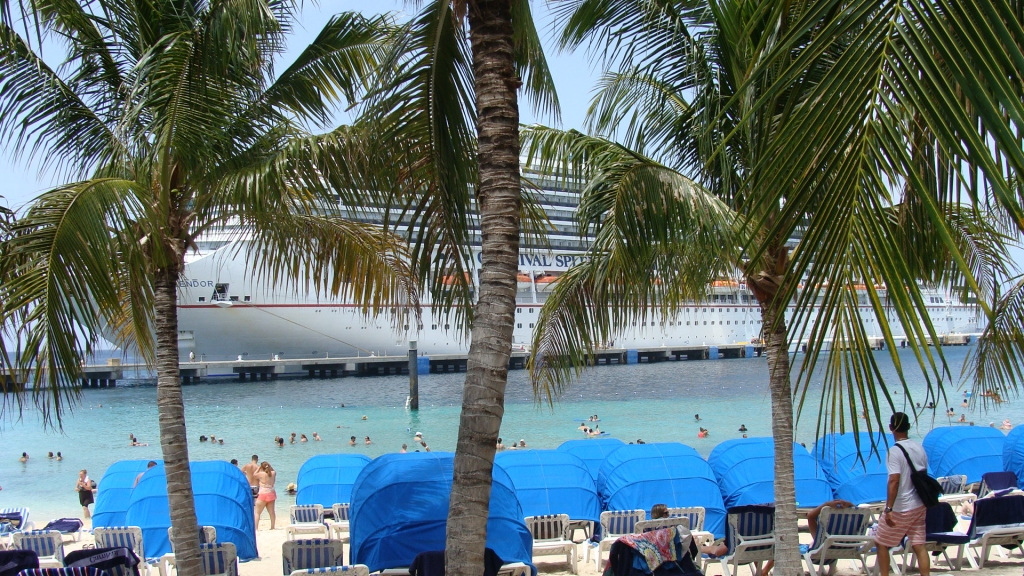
[(655, 402)]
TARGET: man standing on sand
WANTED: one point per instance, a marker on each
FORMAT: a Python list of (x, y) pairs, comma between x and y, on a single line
[(250, 474), (904, 513)]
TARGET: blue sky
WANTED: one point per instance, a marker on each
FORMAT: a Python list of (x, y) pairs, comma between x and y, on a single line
[(573, 74)]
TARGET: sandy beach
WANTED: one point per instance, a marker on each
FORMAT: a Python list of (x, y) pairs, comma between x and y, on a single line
[(269, 564)]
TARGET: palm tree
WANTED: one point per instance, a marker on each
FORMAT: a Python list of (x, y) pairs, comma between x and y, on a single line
[(167, 120), (759, 104), (448, 106)]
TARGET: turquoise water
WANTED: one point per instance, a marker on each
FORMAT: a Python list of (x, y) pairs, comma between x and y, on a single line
[(655, 402)]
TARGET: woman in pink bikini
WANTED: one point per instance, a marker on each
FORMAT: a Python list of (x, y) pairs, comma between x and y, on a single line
[(266, 476)]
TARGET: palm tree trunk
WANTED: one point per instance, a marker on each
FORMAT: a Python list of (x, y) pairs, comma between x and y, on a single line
[(483, 397), (787, 543), (173, 440)]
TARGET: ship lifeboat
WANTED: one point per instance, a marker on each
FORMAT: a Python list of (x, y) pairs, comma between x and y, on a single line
[(452, 280), (523, 282), (546, 283), (725, 284)]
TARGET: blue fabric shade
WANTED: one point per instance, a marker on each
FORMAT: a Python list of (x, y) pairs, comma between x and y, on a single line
[(223, 500), (745, 469), (592, 451), (552, 482), (638, 476), (400, 507), (967, 450), (327, 479), (114, 492), (851, 478), (1013, 452)]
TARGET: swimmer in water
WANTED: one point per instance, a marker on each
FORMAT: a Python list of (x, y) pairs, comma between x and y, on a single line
[(352, 441), (582, 426), (316, 436), (302, 438), (364, 417), (743, 428), (696, 417)]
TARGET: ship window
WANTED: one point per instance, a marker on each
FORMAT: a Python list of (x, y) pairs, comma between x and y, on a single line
[(234, 298), (531, 310), (446, 326), (248, 298), (704, 310), (531, 325), (744, 321), (719, 310), (519, 325), (634, 323), (519, 310), (406, 327), (728, 322), (433, 326), (662, 324), (202, 298), (705, 322), (712, 322), (687, 322)]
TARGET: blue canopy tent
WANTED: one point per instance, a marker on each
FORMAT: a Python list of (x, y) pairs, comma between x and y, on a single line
[(592, 451), (967, 450), (641, 475), (852, 479), (745, 469), (115, 491), (223, 500), (1013, 452), (327, 479), (400, 507), (552, 482)]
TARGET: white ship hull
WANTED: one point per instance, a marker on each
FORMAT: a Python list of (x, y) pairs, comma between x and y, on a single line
[(222, 316)]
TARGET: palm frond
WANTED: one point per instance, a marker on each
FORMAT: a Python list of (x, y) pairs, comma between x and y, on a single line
[(531, 63)]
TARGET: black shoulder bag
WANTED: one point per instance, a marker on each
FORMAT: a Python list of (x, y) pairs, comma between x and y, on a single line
[(928, 488)]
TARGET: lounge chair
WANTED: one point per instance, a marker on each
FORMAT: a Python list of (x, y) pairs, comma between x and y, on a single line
[(841, 535), (339, 526), (124, 536), (219, 559), (631, 553), (954, 489), (993, 481), (750, 538), (550, 538), (353, 570), (306, 520), (940, 530), (47, 544), (114, 561), (615, 523), (207, 535), (996, 521), (14, 520), (648, 525), (311, 553), (62, 572)]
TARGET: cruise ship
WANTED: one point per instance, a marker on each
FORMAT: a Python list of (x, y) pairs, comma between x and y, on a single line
[(224, 314)]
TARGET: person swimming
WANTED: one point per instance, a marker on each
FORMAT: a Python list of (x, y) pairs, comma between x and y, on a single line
[(696, 417), (316, 436), (303, 438), (743, 428), (352, 441)]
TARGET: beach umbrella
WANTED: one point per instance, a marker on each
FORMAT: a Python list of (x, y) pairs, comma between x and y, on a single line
[(114, 492), (592, 451), (745, 470), (327, 479), (856, 473), (964, 450), (552, 482)]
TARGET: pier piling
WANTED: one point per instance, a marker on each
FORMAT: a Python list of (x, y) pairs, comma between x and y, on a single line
[(414, 380)]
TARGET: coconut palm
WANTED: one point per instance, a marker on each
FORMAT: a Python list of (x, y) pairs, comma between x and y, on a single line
[(167, 120), (710, 101), (448, 107)]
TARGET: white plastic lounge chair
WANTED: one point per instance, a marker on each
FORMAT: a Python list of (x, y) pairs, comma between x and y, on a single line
[(166, 561), (307, 520), (615, 523), (219, 559), (940, 526), (750, 537), (549, 537), (996, 521), (648, 525), (124, 537), (515, 569), (353, 570), (841, 535), (954, 490), (311, 553), (339, 525), (47, 544), (15, 525), (696, 516)]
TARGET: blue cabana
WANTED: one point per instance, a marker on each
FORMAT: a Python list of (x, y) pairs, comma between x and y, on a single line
[(223, 500), (115, 491), (745, 469), (1013, 452), (400, 507), (967, 450), (551, 482), (327, 479), (592, 451), (852, 479), (641, 475)]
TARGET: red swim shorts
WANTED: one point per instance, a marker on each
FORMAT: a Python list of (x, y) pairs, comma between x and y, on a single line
[(909, 523)]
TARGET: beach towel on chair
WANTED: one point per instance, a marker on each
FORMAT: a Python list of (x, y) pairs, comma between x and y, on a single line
[(10, 522), (118, 561), (65, 525), (654, 552), (14, 561)]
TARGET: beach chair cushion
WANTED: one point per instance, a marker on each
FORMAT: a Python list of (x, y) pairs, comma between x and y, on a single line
[(64, 525), (115, 561), (994, 481), (341, 512), (306, 514), (11, 522), (14, 561)]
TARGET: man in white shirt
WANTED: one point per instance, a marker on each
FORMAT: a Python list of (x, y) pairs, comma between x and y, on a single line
[(904, 513)]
